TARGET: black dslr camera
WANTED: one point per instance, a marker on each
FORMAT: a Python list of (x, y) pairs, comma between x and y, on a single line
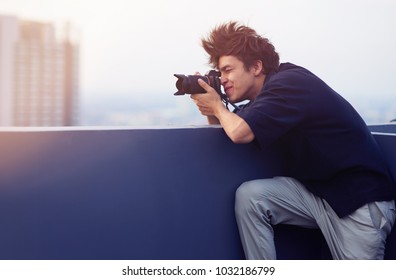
[(189, 84)]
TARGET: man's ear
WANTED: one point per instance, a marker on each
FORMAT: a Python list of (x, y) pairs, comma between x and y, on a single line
[(258, 67)]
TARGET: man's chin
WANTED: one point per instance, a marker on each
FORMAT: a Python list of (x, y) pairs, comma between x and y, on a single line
[(233, 100)]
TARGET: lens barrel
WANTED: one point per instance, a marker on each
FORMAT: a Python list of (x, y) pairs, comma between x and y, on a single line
[(189, 84)]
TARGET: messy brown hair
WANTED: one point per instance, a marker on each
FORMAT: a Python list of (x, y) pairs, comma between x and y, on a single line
[(242, 42)]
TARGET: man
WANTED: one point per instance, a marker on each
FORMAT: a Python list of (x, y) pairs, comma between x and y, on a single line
[(336, 178)]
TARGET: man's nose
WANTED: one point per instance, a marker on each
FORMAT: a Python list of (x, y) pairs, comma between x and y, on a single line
[(223, 80)]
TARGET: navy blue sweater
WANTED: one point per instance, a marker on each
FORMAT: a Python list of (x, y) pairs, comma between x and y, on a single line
[(328, 145)]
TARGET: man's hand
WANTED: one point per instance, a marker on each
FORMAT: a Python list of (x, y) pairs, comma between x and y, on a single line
[(210, 105)]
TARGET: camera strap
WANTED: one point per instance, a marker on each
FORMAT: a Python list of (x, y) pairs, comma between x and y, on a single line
[(225, 100)]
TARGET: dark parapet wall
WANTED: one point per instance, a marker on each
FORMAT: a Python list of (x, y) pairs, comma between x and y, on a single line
[(132, 194), (122, 194)]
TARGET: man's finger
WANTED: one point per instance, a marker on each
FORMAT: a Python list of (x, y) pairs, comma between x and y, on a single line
[(194, 96), (204, 85)]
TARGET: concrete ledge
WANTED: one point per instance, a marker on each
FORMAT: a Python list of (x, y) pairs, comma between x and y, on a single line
[(154, 193)]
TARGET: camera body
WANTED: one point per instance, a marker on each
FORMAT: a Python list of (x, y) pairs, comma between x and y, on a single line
[(189, 84)]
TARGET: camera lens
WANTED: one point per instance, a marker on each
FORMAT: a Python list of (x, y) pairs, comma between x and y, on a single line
[(189, 84)]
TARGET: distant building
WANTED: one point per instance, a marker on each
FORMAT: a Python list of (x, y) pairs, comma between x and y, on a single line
[(38, 74)]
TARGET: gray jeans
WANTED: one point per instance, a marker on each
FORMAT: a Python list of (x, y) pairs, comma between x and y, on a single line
[(262, 203)]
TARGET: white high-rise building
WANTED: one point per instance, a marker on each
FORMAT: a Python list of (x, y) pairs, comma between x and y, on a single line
[(38, 74)]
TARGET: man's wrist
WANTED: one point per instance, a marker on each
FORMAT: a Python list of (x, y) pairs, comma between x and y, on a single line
[(220, 110)]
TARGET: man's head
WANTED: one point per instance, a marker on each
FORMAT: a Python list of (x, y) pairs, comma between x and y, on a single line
[(233, 39), (243, 58)]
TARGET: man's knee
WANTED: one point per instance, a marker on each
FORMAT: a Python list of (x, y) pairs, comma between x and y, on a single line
[(245, 191), (244, 199), (248, 195)]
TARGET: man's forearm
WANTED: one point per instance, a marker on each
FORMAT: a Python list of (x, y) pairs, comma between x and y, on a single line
[(213, 120), (235, 127)]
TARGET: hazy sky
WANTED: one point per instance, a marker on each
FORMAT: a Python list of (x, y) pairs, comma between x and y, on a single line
[(134, 47)]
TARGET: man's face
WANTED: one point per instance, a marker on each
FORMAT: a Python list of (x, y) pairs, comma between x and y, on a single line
[(239, 84)]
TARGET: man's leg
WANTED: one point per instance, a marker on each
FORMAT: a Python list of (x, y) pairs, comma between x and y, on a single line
[(360, 235), (262, 203), (259, 204)]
